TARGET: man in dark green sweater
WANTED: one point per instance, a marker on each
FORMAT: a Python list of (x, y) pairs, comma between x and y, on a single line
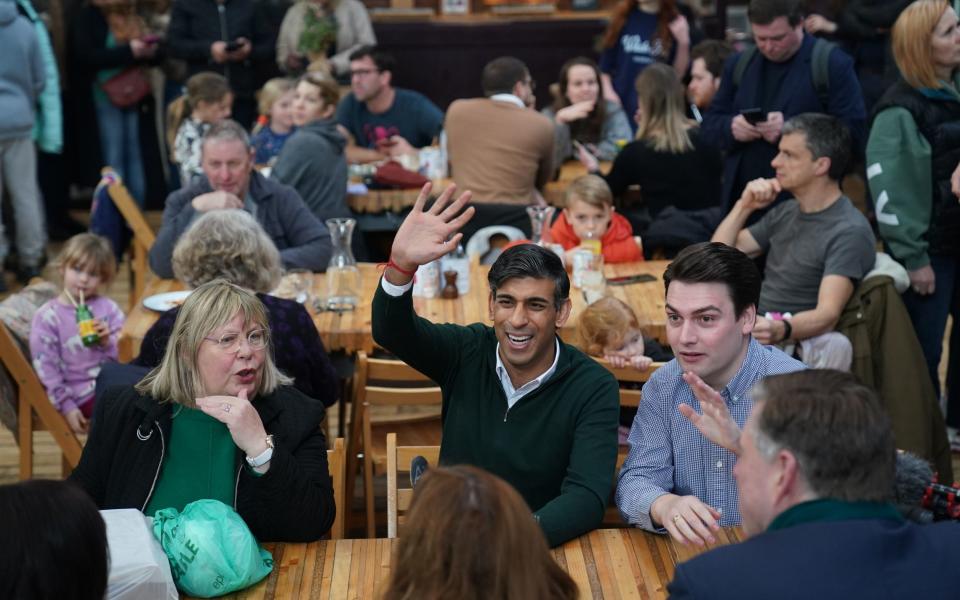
[(516, 400)]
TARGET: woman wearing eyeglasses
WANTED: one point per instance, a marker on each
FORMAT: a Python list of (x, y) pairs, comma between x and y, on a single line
[(231, 245), (215, 420)]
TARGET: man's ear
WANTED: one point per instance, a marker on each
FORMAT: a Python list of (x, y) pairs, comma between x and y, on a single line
[(490, 304), (822, 165), (789, 483), (564, 313), (748, 319)]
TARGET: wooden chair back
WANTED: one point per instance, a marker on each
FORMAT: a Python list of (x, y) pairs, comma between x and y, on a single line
[(398, 461), (34, 409), (385, 382), (336, 461), (629, 398), (143, 235)]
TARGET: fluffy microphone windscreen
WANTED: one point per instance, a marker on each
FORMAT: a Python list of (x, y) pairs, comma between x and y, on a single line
[(913, 475)]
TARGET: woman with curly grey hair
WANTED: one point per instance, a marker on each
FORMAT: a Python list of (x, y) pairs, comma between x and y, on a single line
[(231, 245)]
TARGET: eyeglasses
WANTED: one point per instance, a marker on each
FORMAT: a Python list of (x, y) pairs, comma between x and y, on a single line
[(363, 72), (230, 341)]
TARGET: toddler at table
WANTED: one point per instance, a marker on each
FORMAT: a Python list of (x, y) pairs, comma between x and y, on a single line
[(67, 368), (609, 329), (275, 124), (588, 214), (206, 101)]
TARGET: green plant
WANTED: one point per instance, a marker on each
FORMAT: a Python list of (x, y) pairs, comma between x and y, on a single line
[(319, 32)]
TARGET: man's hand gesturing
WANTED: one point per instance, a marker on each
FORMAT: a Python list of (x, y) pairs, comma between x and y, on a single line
[(714, 421), (426, 235)]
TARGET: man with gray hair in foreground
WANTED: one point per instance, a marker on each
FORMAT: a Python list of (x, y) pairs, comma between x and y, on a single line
[(232, 183), (815, 470)]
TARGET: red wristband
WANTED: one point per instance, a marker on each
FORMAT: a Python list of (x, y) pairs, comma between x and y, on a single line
[(398, 268)]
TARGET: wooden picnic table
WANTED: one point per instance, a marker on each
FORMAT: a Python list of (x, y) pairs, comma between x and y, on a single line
[(351, 332), (606, 563), (375, 201)]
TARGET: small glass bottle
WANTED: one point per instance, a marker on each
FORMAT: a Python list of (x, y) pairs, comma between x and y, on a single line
[(87, 326)]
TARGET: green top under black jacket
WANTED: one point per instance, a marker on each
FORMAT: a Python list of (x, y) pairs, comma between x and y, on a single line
[(557, 445)]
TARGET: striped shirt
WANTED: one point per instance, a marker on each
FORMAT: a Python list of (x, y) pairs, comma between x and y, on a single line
[(669, 455)]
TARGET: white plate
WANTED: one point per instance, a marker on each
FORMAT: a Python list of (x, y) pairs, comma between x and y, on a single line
[(164, 302)]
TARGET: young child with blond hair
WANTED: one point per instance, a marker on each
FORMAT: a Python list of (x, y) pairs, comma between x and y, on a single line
[(66, 366), (275, 123), (588, 214)]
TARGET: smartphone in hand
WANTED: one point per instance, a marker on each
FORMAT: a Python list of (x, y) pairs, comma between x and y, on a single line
[(236, 45), (754, 115)]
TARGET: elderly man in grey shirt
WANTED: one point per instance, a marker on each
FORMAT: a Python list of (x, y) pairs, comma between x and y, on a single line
[(231, 183), (818, 245)]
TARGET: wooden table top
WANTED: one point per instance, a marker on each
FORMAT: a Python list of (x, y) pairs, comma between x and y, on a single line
[(351, 331), (606, 563), (375, 201)]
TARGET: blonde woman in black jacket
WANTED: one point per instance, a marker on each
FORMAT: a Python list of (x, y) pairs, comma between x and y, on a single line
[(215, 420)]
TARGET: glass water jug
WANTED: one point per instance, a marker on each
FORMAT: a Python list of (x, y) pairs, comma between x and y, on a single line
[(343, 276), (540, 217)]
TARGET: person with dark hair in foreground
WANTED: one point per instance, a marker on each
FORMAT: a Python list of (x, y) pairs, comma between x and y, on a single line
[(54, 543), (505, 559), (673, 480), (815, 466), (516, 400)]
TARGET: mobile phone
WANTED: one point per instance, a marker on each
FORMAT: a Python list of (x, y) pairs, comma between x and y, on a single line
[(151, 39), (235, 45), (628, 279), (754, 115)]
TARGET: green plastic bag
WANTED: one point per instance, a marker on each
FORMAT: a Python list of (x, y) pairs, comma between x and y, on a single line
[(211, 550)]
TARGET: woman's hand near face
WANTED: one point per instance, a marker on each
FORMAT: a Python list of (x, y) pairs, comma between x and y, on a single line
[(575, 112), (680, 30), (240, 417)]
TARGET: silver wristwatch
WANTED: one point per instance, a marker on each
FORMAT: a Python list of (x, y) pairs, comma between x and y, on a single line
[(264, 457)]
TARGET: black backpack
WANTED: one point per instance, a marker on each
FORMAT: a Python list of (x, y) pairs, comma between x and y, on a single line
[(819, 68)]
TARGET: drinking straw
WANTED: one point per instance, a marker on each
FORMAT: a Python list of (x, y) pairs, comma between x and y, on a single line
[(67, 292)]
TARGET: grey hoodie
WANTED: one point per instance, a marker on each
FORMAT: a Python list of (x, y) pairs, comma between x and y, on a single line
[(21, 73), (312, 162)]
